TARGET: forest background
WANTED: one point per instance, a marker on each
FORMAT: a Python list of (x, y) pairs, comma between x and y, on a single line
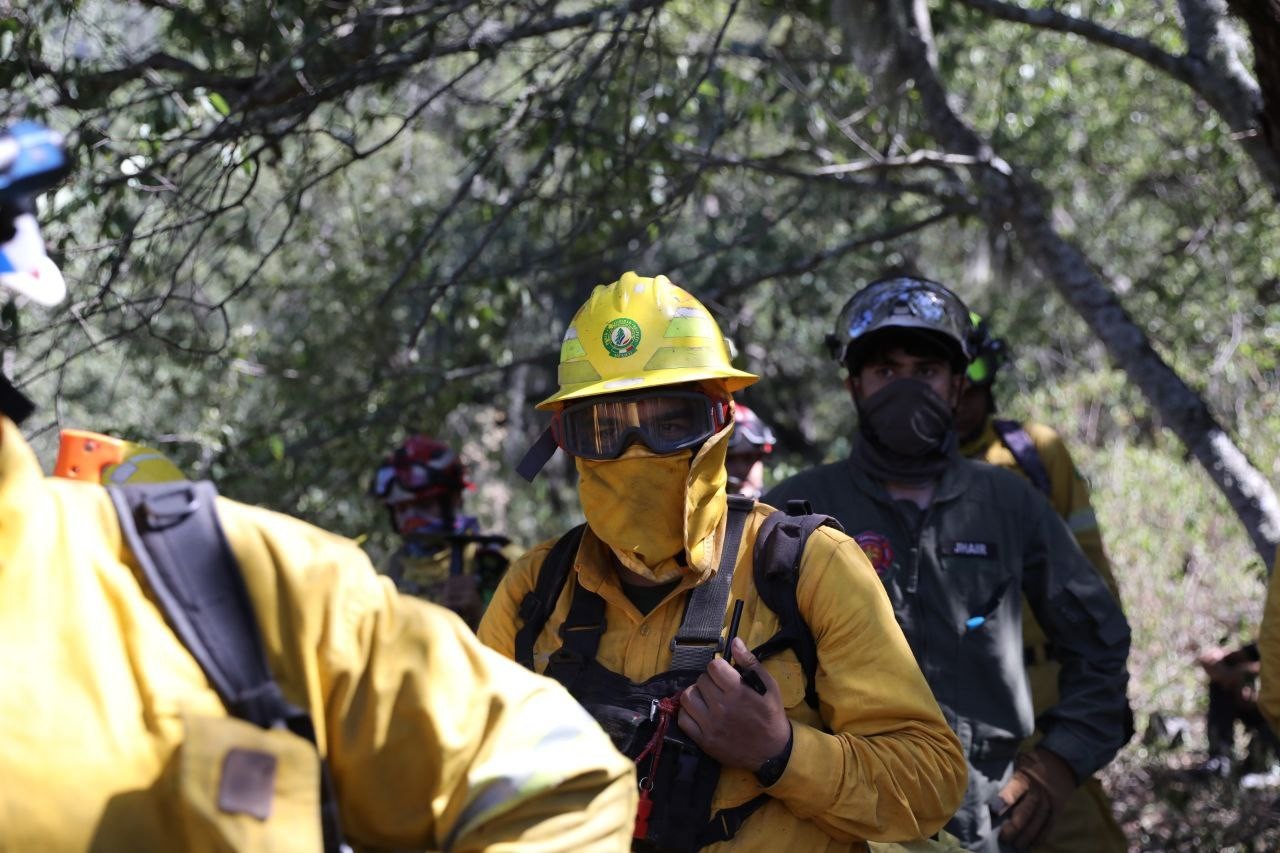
[(299, 230)]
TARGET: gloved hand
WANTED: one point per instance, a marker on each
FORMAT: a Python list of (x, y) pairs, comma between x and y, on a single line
[(1041, 784)]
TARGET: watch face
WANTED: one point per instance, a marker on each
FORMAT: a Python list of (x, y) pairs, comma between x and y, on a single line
[(770, 771)]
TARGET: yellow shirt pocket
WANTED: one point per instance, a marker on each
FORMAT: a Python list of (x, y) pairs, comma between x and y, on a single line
[(241, 787), (791, 682)]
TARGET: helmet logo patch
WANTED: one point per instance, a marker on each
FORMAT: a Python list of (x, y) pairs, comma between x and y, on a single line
[(878, 549), (621, 337)]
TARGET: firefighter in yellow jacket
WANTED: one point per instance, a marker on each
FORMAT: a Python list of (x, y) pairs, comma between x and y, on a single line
[(443, 556), (1039, 454), (115, 739), (630, 611), (1269, 650)]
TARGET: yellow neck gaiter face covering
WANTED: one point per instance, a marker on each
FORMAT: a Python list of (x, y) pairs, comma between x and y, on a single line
[(651, 508)]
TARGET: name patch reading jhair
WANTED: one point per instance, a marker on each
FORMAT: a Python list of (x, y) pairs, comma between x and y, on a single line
[(963, 548)]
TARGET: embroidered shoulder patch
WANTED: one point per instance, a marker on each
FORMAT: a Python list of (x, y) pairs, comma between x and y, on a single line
[(248, 783), (877, 548)]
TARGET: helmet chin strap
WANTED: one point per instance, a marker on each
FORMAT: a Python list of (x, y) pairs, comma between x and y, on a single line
[(537, 456), (13, 403)]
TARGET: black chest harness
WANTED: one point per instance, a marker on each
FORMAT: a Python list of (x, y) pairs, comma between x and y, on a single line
[(677, 779)]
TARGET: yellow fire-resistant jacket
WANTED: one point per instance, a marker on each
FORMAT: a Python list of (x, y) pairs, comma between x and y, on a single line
[(424, 575), (1069, 495), (1269, 649), (1068, 491), (879, 762), (114, 739)]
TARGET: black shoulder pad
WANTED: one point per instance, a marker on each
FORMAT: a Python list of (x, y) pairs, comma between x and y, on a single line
[(779, 549)]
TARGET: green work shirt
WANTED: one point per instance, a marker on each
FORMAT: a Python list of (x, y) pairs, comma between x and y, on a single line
[(955, 573)]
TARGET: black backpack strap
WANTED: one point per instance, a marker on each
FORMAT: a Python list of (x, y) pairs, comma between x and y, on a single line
[(779, 549), (173, 531), (457, 557), (698, 638), (1015, 437), (580, 635), (537, 606), (726, 822)]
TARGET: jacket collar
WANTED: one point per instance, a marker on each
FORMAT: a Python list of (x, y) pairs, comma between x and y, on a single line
[(596, 568), (956, 479)]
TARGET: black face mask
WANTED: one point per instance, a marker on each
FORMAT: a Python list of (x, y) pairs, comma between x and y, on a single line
[(906, 432)]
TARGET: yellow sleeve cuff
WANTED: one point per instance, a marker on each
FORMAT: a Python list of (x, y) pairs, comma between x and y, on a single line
[(812, 775)]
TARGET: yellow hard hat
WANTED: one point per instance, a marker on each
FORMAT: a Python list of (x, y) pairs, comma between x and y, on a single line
[(641, 333), (84, 455)]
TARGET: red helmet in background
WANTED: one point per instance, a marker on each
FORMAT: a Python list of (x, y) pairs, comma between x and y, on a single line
[(420, 469), (750, 434)]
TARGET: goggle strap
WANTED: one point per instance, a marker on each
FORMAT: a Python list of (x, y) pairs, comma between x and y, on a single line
[(537, 456)]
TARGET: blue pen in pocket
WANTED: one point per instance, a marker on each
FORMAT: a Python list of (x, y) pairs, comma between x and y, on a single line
[(988, 610)]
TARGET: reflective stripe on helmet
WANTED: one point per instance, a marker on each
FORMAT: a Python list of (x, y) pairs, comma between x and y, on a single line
[(641, 332)]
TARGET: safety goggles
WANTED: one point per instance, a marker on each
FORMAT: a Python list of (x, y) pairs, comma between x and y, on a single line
[(664, 421), (410, 476)]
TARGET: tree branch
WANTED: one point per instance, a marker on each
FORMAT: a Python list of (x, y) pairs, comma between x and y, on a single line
[(1211, 68), (1051, 19), (817, 259), (1022, 202)]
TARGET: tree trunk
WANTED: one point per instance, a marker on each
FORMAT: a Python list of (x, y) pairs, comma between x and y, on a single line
[(1011, 195), (1262, 17)]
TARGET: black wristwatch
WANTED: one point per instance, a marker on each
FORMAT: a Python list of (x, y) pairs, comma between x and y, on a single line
[(771, 771)]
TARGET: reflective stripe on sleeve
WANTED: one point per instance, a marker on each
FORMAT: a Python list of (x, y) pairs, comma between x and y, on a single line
[(1082, 519), (508, 779)]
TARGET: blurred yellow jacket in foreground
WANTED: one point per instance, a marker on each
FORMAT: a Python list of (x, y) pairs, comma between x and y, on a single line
[(114, 739), (1269, 648)]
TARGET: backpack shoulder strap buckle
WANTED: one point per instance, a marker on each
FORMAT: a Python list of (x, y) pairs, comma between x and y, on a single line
[(698, 638), (799, 507), (160, 509)]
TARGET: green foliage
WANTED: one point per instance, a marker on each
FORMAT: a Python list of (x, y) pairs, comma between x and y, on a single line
[(301, 230)]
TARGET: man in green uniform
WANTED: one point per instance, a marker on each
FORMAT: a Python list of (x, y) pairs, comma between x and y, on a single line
[(957, 544), (1038, 453)]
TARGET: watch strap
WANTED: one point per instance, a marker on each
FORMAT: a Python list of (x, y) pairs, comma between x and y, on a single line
[(771, 771)]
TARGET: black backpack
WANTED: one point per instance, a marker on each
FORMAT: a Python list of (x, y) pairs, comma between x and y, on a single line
[(173, 531), (779, 546)]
